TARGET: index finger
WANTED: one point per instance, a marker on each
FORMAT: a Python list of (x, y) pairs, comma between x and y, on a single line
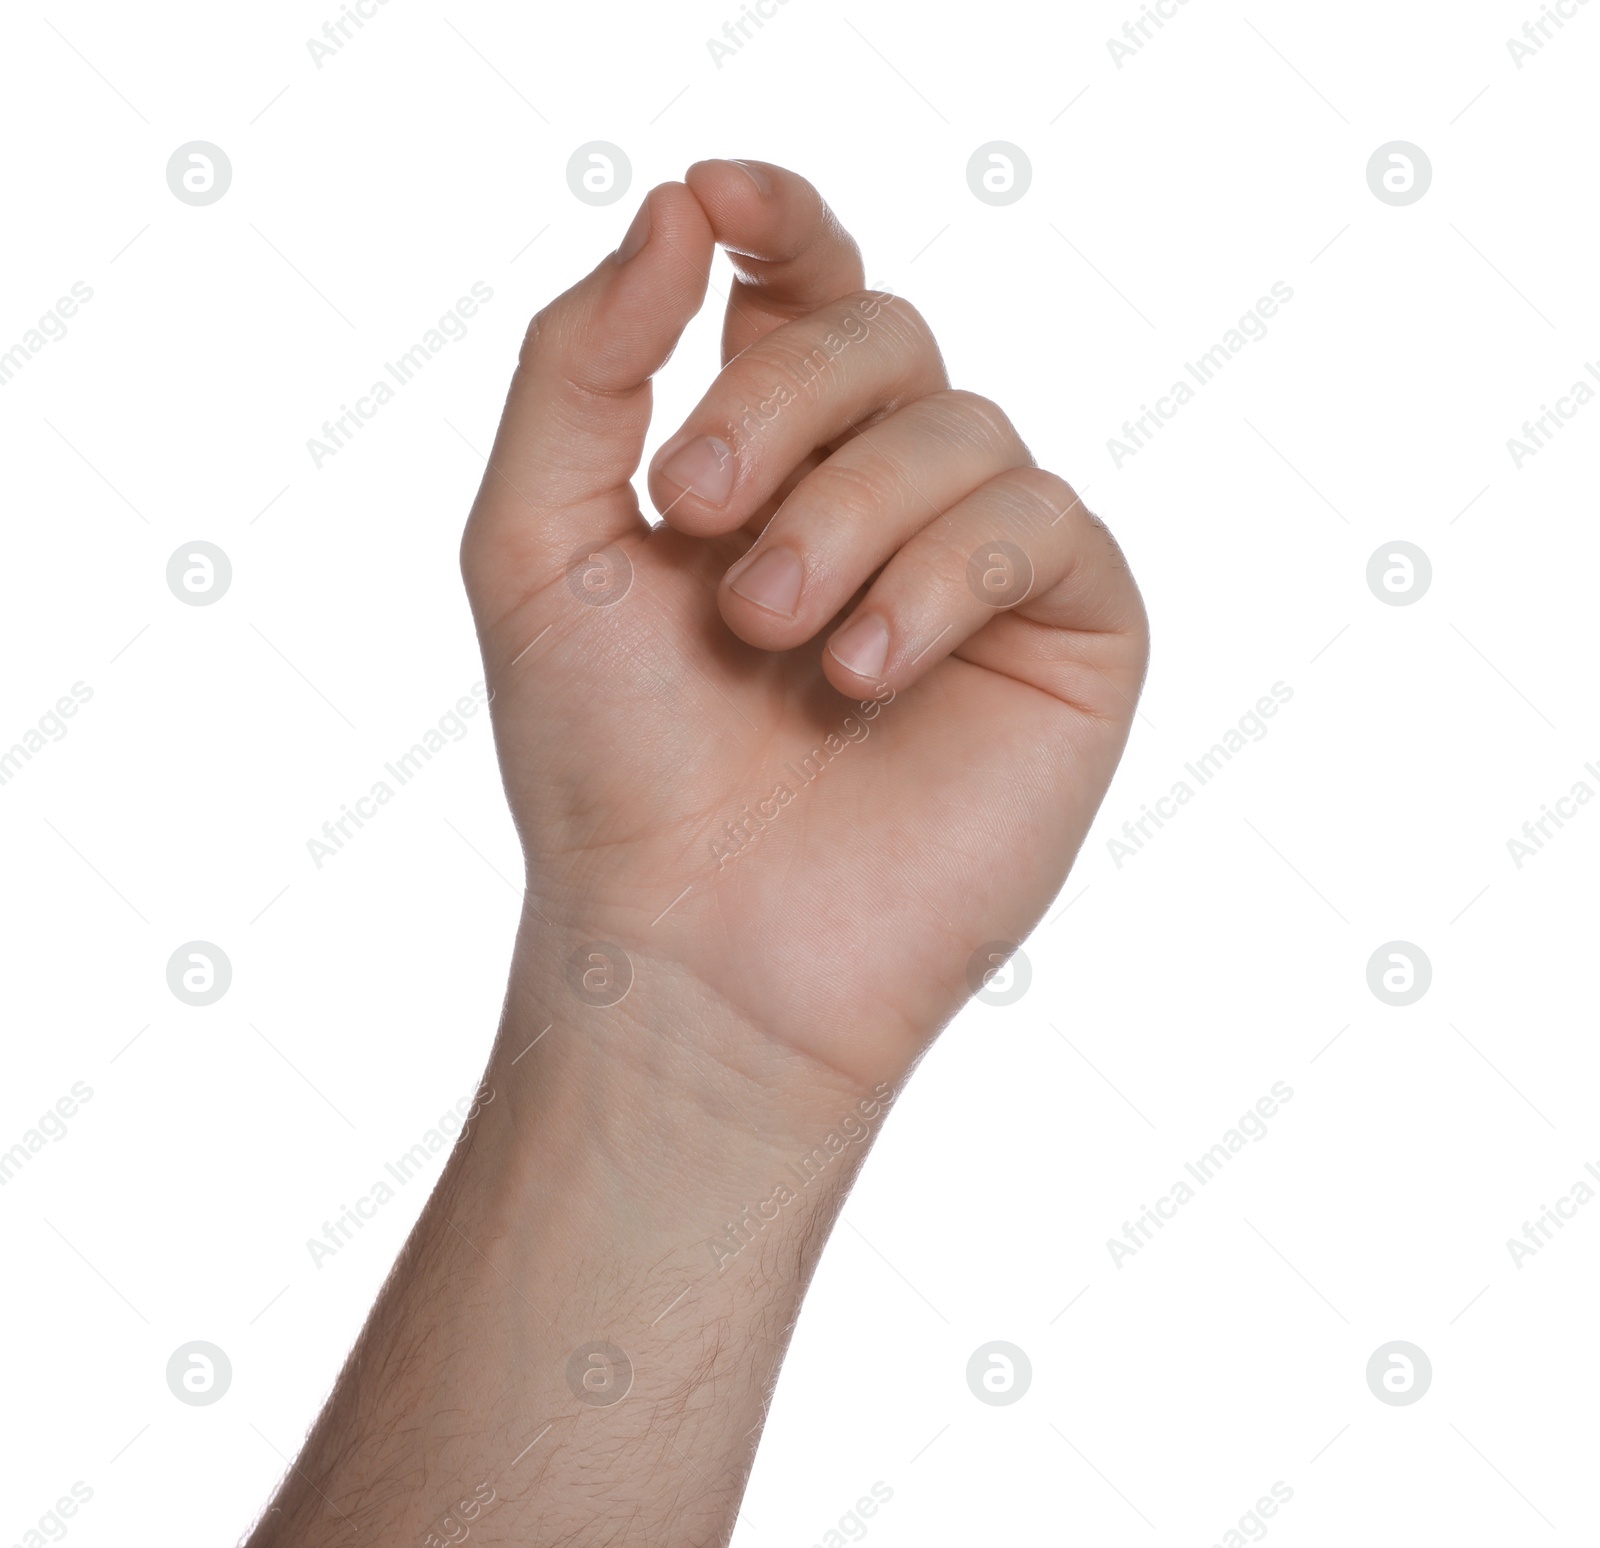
[(790, 254)]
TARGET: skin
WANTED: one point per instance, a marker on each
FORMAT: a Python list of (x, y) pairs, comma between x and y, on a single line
[(779, 987)]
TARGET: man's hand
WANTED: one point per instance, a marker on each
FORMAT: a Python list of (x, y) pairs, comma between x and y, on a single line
[(781, 766), (845, 716)]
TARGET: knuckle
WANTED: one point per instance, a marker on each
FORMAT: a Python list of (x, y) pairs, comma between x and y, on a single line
[(469, 556), (850, 495), (750, 394), (793, 360), (533, 338), (554, 348), (1039, 497), (899, 313), (975, 417)]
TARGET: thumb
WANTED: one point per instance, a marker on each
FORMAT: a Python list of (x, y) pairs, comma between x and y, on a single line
[(572, 431)]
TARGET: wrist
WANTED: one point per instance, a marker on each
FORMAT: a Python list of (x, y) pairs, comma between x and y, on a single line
[(644, 1115), (602, 1005), (797, 996)]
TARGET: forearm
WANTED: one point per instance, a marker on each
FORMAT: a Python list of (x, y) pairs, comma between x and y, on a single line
[(627, 1184)]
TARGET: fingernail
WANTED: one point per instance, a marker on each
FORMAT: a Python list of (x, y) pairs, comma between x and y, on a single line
[(704, 467), (637, 234), (756, 175), (862, 646), (771, 580)]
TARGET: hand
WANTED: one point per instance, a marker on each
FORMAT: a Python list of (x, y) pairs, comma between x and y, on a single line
[(854, 558), (631, 1185)]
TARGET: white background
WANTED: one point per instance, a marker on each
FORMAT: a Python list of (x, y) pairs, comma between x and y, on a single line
[(1167, 195)]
